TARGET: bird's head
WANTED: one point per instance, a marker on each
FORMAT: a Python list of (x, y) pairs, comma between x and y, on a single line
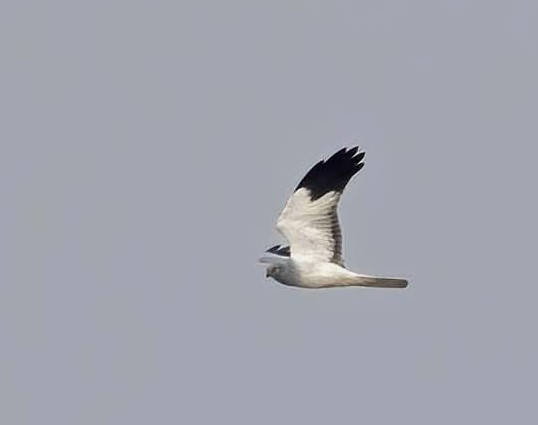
[(273, 270), (277, 267)]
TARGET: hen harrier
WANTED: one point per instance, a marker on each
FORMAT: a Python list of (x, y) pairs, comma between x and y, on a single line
[(309, 222)]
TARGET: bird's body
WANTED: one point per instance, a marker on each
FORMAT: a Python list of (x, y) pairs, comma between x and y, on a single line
[(309, 222), (311, 274)]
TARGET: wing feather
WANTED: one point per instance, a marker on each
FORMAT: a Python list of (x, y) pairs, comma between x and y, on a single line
[(283, 251), (309, 220)]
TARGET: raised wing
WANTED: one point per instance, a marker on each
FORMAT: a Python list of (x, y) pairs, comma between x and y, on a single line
[(309, 220)]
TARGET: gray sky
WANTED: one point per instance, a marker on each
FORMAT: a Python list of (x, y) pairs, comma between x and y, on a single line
[(146, 149)]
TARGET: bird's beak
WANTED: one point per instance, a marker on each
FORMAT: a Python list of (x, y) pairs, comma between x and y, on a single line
[(267, 273)]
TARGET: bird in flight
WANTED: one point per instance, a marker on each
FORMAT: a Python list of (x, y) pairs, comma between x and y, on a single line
[(309, 222)]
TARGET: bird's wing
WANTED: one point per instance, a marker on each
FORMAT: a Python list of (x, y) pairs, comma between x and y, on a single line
[(309, 220), (283, 251), (277, 254)]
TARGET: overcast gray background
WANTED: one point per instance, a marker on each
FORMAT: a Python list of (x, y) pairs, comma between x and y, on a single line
[(146, 149)]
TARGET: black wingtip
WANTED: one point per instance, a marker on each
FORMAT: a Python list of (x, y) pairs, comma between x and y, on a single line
[(278, 250), (332, 174)]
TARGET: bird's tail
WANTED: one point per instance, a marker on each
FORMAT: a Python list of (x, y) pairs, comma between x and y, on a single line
[(378, 282)]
